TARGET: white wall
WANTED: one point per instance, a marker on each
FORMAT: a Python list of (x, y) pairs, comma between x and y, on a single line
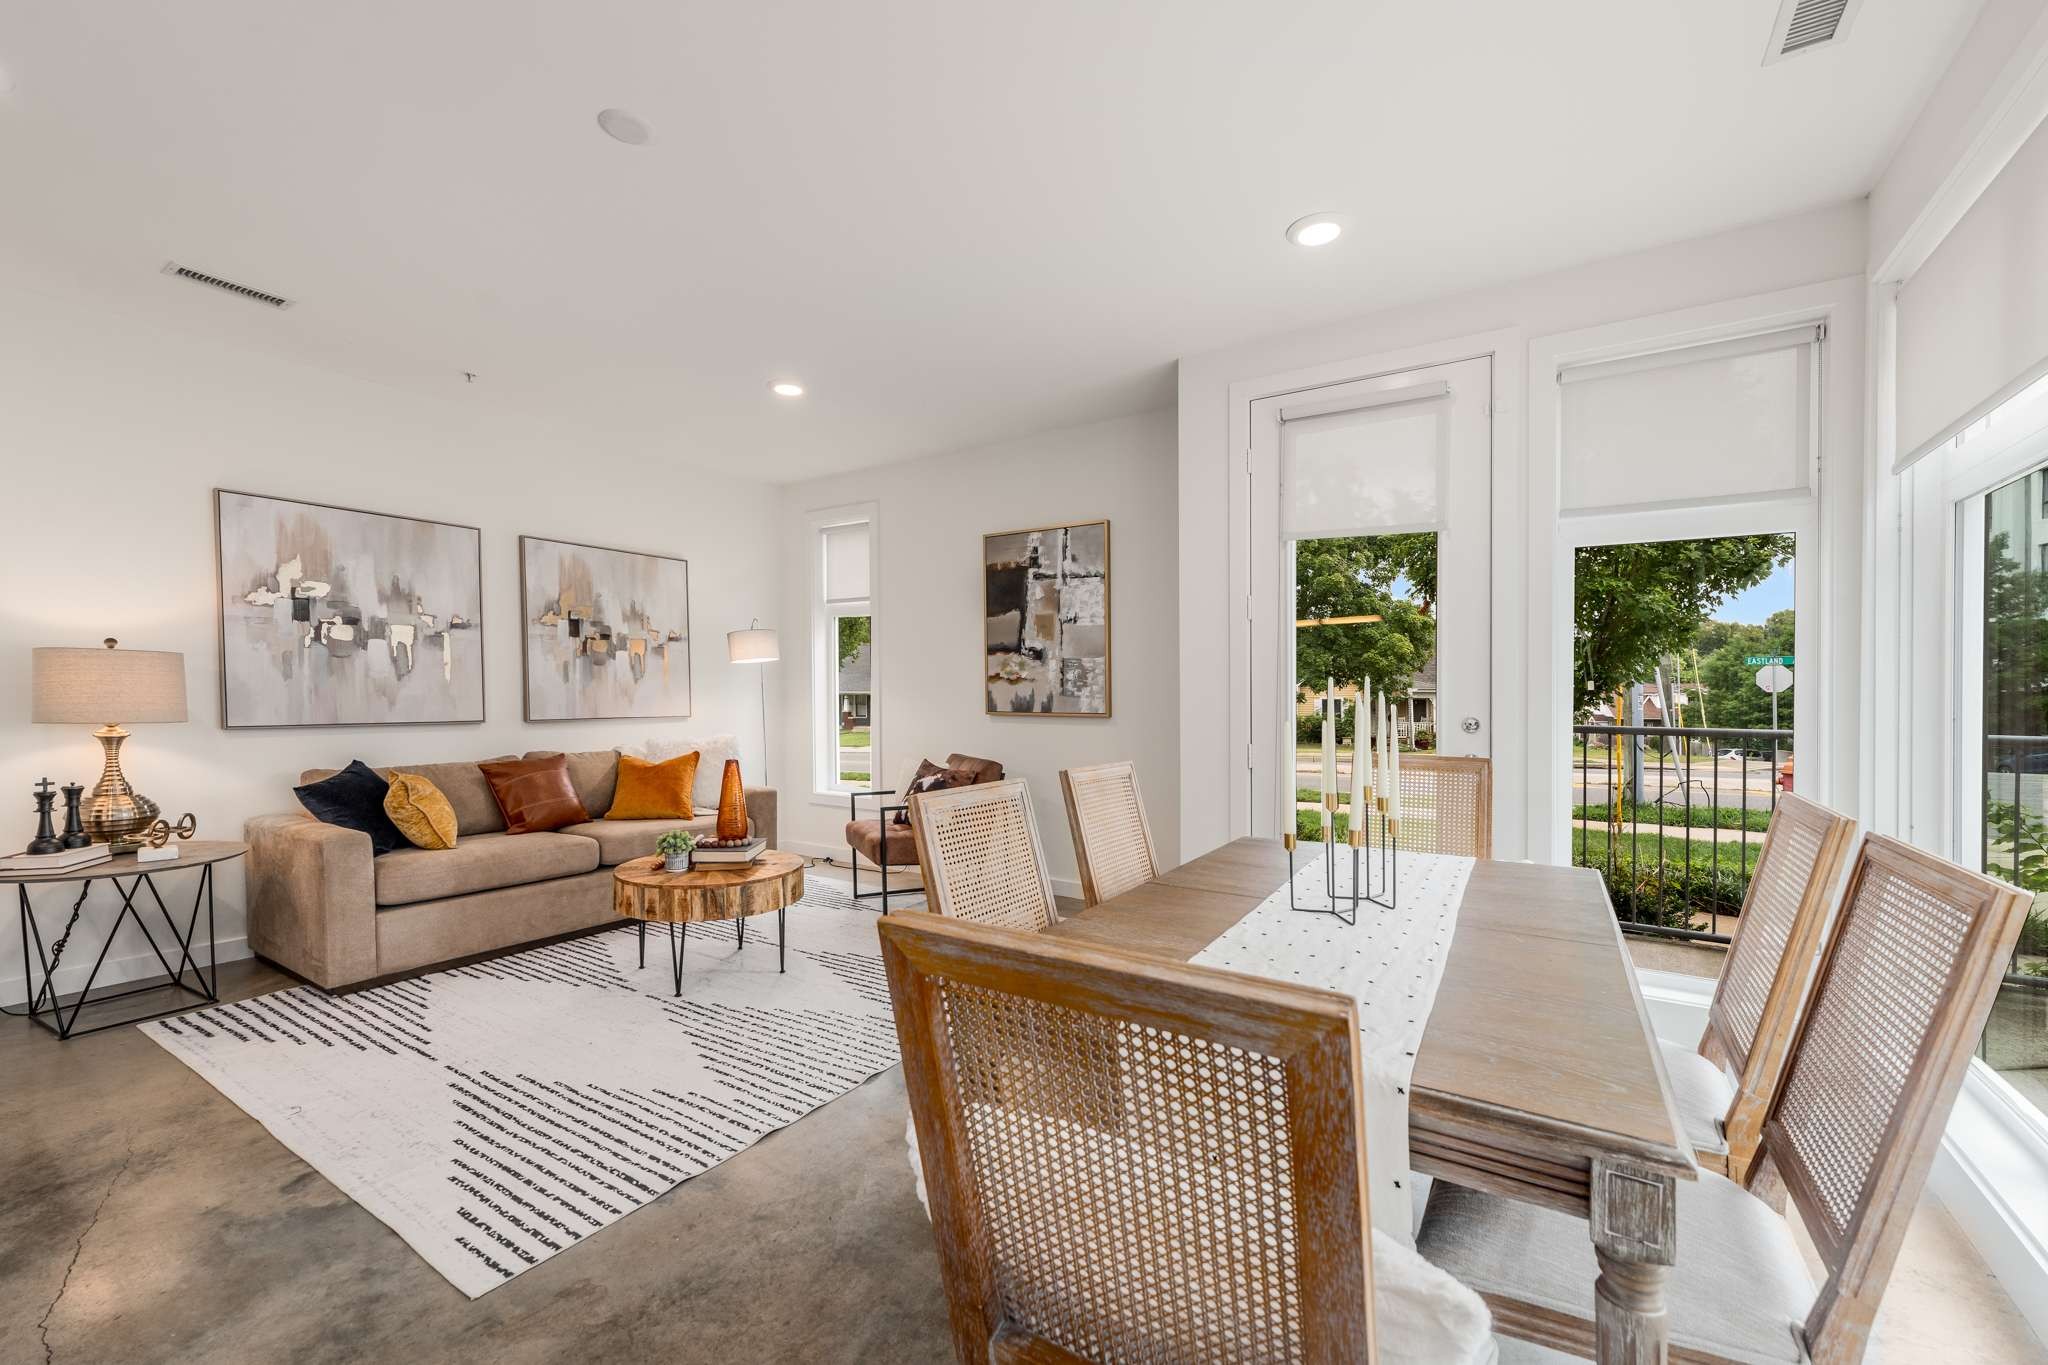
[(929, 631), (1826, 244), (114, 430)]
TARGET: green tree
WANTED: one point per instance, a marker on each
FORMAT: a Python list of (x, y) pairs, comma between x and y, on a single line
[(1635, 603), (1733, 699), (854, 631), (2015, 640), (1356, 576)]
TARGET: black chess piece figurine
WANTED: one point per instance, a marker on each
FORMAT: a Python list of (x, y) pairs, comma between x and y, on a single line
[(46, 836), (74, 817)]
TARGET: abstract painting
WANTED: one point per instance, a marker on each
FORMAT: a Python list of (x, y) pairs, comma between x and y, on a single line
[(330, 616), (1048, 620), (607, 632)]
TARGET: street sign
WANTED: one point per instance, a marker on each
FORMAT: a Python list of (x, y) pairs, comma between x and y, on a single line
[(1774, 678), (1760, 660)]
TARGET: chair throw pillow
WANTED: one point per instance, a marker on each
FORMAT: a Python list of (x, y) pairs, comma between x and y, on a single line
[(354, 799), (654, 791), (932, 778), (421, 812), (534, 793)]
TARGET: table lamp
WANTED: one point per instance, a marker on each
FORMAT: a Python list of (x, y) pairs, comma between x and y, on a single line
[(90, 686), (756, 646)]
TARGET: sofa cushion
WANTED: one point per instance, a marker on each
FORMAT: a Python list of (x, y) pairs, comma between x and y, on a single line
[(484, 862), (476, 810), (594, 773), (534, 794), (621, 841), (354, 799), (654, 791), (420, 811)]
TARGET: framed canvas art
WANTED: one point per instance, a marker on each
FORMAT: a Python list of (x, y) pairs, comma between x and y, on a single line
[(334, 616), (1047, 645), (607, 631)]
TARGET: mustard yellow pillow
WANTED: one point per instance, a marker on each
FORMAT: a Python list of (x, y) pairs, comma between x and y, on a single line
[(654, 791), (420, 811)]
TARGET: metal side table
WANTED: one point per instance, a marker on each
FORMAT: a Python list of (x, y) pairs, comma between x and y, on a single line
[(130, 877)]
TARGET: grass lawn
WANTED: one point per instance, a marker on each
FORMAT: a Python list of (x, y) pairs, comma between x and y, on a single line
[(853, 739), (853, 777), (1639, 853), (1699, 817)]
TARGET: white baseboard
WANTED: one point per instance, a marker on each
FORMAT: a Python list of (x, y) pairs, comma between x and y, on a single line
[(116, 971), (837, 854)]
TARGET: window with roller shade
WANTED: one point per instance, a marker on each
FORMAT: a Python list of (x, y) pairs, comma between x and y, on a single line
[(846, 717)]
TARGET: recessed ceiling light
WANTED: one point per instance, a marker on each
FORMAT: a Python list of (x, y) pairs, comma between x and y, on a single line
[(786, 388), (1318, 229), (624, 127)]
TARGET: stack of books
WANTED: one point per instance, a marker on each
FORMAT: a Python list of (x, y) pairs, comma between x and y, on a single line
[(716, 852), (62, 861)]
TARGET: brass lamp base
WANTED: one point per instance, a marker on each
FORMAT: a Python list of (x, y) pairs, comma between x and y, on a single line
[(115, 811)]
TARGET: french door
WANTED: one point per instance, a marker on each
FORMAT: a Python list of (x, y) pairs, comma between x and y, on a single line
[(1396, 471)]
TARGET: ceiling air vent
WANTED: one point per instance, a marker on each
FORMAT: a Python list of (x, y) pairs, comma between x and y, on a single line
[(216, 282), (1804, 25)]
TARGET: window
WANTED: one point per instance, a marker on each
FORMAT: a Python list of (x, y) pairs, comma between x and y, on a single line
[(845, 716)]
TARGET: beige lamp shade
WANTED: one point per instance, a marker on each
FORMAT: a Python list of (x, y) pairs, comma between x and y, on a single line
[(755, 646), (108, 686)]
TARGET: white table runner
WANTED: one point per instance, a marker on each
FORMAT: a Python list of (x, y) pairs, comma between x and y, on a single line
[(1390, 962)]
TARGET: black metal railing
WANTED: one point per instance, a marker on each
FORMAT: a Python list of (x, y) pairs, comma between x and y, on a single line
[(1674, 820), (2015, 844)]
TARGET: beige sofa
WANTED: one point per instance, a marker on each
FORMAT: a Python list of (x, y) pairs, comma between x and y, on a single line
[(322, 907)]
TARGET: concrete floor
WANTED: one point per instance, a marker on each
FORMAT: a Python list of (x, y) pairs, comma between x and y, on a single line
[(145, 1218)]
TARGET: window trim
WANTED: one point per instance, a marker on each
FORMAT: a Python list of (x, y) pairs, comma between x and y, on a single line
[(822, 698)]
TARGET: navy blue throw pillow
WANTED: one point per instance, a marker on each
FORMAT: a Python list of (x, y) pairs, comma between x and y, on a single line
[(354, 799)]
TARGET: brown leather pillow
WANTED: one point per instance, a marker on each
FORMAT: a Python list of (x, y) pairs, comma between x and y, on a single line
[(534, 793)]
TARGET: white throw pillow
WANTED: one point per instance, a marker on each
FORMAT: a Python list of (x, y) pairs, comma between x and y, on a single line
[(712, 751)]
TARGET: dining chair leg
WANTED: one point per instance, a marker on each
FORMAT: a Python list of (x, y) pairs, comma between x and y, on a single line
[(1635, 1239)]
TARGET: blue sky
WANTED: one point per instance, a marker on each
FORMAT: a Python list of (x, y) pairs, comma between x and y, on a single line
[(1753, 606)]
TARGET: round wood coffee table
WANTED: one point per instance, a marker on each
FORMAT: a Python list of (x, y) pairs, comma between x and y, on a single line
[(642, 891)]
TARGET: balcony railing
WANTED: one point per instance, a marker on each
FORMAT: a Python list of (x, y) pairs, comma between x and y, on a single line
[(1679, 850)]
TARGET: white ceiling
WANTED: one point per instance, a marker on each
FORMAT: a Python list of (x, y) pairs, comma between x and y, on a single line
[(955, 220)]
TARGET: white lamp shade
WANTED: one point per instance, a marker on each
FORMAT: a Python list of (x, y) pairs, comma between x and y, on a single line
[(108, 686), (752, 646)]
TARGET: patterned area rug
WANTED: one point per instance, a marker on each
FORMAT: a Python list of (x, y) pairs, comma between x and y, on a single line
[(496, 1114)]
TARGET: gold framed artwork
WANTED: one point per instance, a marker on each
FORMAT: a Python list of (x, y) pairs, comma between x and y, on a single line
[(1046, 646)]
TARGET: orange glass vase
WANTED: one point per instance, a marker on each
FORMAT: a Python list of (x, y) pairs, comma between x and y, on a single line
[(732, 803)]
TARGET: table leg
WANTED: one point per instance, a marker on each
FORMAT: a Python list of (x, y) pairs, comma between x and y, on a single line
[(1635, 1238), (782, 939), (643, 945), (743, 932), (675, 948)]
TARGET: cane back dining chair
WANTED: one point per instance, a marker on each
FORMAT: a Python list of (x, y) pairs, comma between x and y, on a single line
[(982, 860), (1904, 986), (1763, 988), (1446, 805), (1112, 837), (1135, 1160)]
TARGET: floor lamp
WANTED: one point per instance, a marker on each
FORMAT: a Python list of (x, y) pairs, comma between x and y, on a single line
[(756, 646)]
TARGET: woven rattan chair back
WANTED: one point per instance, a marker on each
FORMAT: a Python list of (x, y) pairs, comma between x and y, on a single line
[(1766, 979), (982, 860), (1132, 1160), (1446, 805), (1905, 985), (1112, 837)]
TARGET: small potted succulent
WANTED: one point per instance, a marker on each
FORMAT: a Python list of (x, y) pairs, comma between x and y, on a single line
[(675, 847)]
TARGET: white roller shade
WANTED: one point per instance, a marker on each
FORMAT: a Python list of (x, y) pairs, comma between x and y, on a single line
[(846, 562), (1973, 320), (1370, 466), (1723, 420)]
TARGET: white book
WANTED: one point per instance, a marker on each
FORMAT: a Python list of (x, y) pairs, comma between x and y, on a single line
[(61, 861)]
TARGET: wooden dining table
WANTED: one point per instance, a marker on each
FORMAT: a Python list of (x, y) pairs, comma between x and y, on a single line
[(1539, 1076)]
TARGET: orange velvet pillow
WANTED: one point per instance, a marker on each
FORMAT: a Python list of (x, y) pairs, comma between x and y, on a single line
[(654, 791)]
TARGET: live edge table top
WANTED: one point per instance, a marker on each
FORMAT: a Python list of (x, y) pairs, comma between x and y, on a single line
[(1539, 1055), (642, 890)]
